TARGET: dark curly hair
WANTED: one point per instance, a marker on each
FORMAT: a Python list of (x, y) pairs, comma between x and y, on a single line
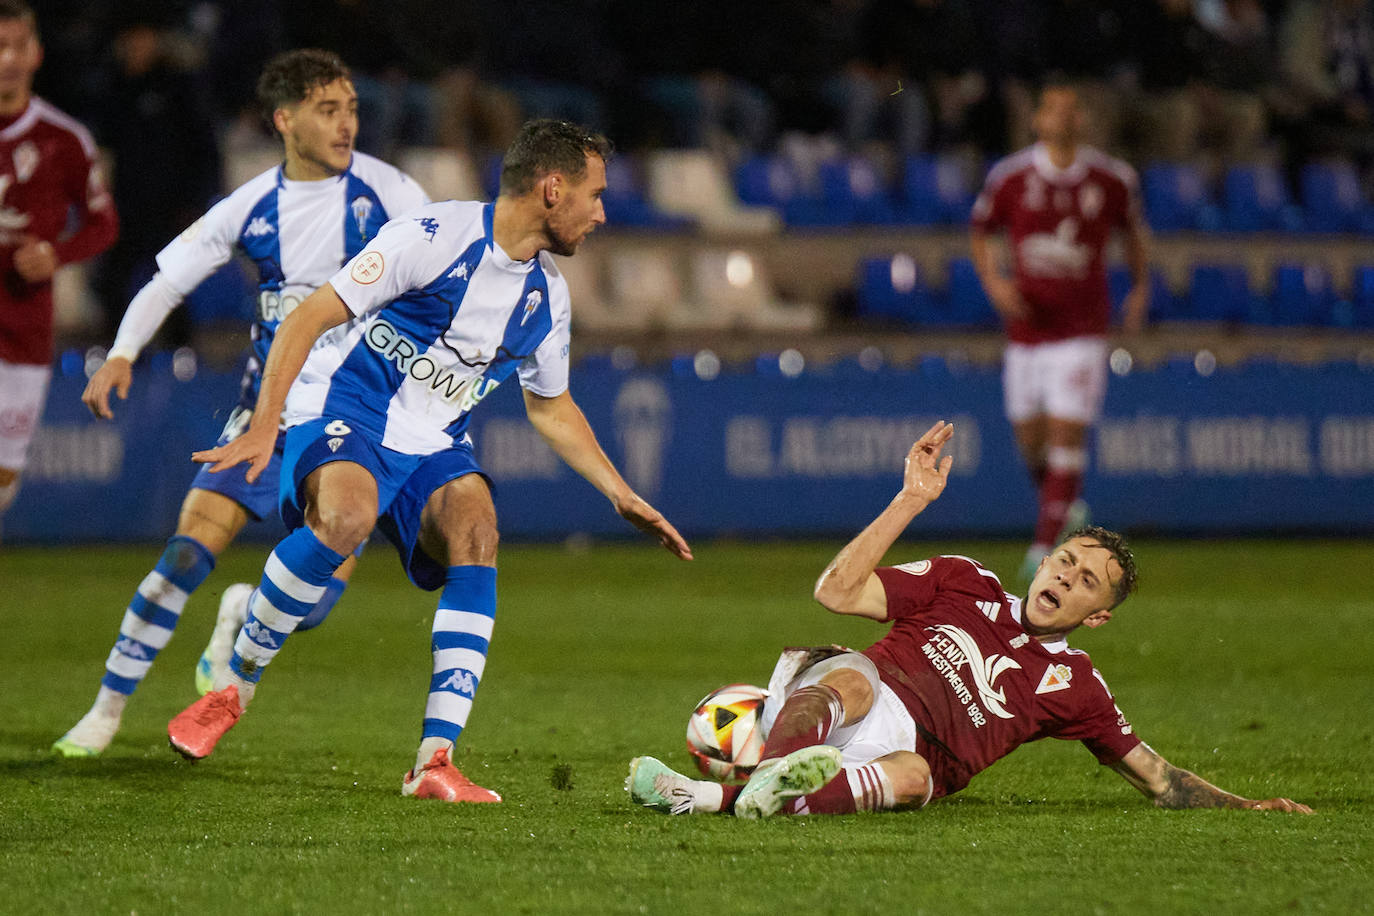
[(1116, 545), (289, 77), (548, 145), (14, 9)]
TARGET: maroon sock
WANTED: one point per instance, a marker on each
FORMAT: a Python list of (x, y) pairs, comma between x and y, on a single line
[(1059, 490), (835, 797), (807, 718), (728, 795)]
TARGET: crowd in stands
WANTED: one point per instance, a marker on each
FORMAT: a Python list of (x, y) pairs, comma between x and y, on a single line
[(1207, 85)]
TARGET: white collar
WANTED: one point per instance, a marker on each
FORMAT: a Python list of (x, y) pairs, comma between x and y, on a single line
[(1074, 171)]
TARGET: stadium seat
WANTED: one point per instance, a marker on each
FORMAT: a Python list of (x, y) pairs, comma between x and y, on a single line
[(936, 189), (854, 188), (1176, 198), (965, 302), (1331, 197), (626, 204), (766, 181), (1301, 296), (1256, 200), (1163, 304), (1221, 292), (1362, 297), (643, 285), (891, 290), (694, 184), (445, 173)]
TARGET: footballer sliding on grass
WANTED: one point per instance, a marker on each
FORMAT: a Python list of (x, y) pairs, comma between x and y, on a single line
[(966, 674)]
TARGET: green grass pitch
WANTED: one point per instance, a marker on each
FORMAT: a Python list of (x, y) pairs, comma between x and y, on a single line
[(1247, 662)]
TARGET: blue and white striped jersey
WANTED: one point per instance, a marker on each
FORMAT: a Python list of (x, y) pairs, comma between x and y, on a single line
[(443, 316), (297, 233)]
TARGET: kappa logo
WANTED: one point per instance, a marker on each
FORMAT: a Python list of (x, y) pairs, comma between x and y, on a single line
[(532, 302), (257, 226), (460, 680), (132, 649), (1056, 677), (460, 272), (260, 634)]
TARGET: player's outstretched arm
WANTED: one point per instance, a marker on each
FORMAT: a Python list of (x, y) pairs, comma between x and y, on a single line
[(321, 310), (848, 585), (1172, 787), (561, 423)]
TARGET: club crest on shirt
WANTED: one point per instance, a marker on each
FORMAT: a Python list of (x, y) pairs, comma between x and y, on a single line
[(25, 161), (367, 267), (1056, 677), (362, 209), (532, 302)]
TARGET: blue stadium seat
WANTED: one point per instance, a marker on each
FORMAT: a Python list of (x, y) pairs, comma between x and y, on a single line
[(766, 181), (1362, 297), (1221, 292), (854, 186), (1176, 198), (1164, 304), (936, 190), (1256, 200), (1331, 197), (1301, 296), (891, 290), (966, 304), (626, 203)]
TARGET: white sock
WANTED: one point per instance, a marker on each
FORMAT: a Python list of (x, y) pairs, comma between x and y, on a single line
[(707, 797), (427, 748)]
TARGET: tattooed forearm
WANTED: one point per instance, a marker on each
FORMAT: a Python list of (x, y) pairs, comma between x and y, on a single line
[(1188, 790)]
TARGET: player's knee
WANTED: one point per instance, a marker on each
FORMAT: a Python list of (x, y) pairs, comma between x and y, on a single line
[(472, 542), (909, 775), (856, 693), (342, 524)]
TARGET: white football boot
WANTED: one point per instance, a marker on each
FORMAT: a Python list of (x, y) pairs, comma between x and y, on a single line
[(214, 661)]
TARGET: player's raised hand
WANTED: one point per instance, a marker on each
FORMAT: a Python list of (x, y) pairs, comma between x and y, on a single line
[(649, 520), (255, 446), (925, 472), (115, 374)]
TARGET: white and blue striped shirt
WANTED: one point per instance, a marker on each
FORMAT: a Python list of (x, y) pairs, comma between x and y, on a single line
[(443, 316), (297, 233)]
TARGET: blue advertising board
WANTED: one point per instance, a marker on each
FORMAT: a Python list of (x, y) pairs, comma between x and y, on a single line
[(1252, 450)]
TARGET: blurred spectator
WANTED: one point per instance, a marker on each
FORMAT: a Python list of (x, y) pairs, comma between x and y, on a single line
[(1241, 65), (153, 118), (1168, 49), (699, 83), (1327, 104)]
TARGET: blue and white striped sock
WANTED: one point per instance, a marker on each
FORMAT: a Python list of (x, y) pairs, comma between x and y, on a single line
[(462, 632), (293, 581), (321, 610), (153, 613)]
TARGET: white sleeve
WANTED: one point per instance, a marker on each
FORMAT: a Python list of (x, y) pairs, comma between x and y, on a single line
[(405, 255), (545, 371), (203, 248), (145, 314)]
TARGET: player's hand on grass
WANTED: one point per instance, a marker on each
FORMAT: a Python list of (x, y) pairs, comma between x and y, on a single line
[(116, 374), (1279, 804), (925, 474), (649, 520), (255, 447)]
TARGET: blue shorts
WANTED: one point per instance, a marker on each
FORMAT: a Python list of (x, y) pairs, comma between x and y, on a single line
[(259, 499), (404, 485)]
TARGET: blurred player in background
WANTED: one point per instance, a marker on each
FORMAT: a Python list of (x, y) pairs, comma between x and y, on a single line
[(388, 359), (1059, 203), (966, 674), (48, 170), (297, 222)]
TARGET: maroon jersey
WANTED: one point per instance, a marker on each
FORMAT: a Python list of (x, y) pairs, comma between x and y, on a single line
[(976, 682), (49, 181), (1059, 222)]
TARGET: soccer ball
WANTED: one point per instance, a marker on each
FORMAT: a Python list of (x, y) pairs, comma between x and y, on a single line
[(725, 733)]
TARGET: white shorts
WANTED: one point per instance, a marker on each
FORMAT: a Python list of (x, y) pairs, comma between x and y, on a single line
[(1064, 379), (23, 389), (888, 727)]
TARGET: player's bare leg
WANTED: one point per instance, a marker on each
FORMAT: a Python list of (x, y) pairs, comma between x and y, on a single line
[(207, 524), (9, 491), (457, 526)]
